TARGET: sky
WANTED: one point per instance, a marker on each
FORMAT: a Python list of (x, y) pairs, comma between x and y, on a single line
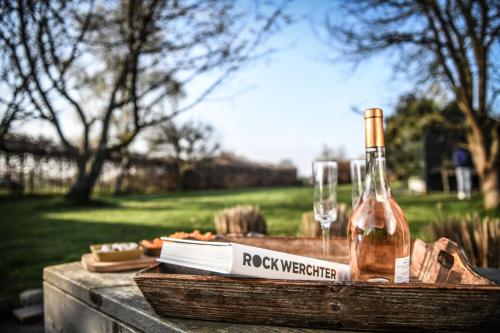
[(291, 104)]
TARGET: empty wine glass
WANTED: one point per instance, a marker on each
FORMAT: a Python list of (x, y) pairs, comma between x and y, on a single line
[(358, 172), (325, 198)]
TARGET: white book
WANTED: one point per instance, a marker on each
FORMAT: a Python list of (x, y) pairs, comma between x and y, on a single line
[(234, 259)]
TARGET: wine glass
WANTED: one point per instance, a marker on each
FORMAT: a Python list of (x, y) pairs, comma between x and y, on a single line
[(358, 172), (325, 198)]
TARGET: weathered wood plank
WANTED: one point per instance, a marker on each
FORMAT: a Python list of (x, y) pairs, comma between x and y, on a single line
[(116, 296), (135, 310), (443, 262), (348, 305), (72, 275), (178, 292), (64, 313), (91, 265)]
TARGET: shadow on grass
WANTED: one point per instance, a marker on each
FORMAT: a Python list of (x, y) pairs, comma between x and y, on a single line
[(204, 193), (56, 203), (27, 245), (42, 231)]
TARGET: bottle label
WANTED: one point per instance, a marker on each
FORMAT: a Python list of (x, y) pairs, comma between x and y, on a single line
[(402, 270)]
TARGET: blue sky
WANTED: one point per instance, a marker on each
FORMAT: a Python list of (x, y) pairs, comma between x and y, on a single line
[(288, 106)]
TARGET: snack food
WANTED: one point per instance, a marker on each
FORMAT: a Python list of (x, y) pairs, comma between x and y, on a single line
[(152, 248), (196, 234), (156, 243), (116, 251), (118, 247)]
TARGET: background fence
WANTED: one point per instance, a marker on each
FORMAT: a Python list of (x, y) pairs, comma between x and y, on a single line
[(40, 166)]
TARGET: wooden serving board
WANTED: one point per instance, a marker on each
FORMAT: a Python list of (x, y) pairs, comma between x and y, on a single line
[(91, 265), (445, 294)]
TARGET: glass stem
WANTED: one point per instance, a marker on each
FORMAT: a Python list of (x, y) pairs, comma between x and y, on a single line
[(325, 229)]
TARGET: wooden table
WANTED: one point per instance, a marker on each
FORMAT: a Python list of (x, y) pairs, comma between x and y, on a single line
[(76, 300), (79, 301)]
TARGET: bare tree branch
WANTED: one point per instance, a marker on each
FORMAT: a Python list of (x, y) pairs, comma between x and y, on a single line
[(448, 41), (117, 64)]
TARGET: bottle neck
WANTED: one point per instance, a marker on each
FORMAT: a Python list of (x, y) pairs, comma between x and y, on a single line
[(376, 184)]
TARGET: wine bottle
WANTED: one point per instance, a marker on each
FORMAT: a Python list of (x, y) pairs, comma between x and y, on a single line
[(378, 233)]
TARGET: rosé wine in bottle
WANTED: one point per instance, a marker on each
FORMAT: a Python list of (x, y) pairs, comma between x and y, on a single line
[(378, 233)]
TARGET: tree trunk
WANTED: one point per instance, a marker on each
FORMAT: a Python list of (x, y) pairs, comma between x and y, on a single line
[(489, 187), (484, 155), (119, 182), (178, 176), (82, 187), (80, 191), (488, 175), (124, 168)]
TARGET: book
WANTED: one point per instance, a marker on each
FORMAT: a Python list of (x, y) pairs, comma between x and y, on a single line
[(233, 259)]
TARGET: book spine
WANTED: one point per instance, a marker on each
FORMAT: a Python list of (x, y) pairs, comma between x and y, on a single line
[(256, 262)]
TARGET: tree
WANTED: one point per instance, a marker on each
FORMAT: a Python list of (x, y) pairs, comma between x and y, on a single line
[(331, 154), (411, 124), (286, 164), (11, 100), (8, 113), (403, 132), (452, 42), (123, 62), (189, 144)]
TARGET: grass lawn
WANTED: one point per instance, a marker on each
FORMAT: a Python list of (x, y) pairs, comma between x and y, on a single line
[(36, 232)]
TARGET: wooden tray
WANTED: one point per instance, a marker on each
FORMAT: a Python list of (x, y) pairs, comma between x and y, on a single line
[(91, 265), (444, 294)]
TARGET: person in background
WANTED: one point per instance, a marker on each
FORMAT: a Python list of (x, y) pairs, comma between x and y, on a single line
[(463, 171)]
